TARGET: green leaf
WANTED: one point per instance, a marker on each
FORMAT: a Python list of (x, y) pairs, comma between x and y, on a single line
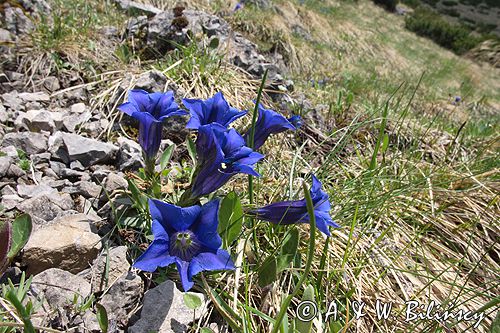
[(102, 317), (336, 326), (140, 200), (206, 330), (21, 231), (231, 317), (268, 272), (25, 316), (214, 43), (165, 157), (5, 240), (385, 111), (230, 218), (192, 301), (385, 143), (289, 249), (285, 325), (305, 326), (495, 325), (191, 148)]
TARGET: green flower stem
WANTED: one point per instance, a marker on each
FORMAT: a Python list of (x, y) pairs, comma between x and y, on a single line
[(310, 257), (251, 144), (251, 138), (149, 168)]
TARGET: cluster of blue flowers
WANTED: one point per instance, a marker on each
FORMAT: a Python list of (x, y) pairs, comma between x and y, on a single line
[(187, 234)]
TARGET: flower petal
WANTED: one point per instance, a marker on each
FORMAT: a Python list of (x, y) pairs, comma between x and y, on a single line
[(186, 278), (150, 135), (140, 99), (173, 218), (242, 168), (323, 220), (156, 255), (209, 180), (205, 228), (208, 261), (128, 108), (195, 107), (269, 122), (212, 110)]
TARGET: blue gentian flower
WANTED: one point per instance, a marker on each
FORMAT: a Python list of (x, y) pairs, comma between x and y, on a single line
[(296, 121), (271, 122), (187, 237), (238, 6), (290, 212), (213, 110), (222, 153), (151, 109)]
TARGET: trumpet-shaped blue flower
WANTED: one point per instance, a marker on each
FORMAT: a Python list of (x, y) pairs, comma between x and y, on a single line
[(222, 153), (238, 6), (150, 109), (271, 122), (187, 237), (289, 212), (213, 110)]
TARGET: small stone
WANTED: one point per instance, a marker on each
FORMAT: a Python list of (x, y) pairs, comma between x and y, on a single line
[(139, 8), (151, 81), (117, 266), (10, 201), (59, 287), (14, 76), (57, 184), (78, 108), (34, 97), (94, 128), (92, 325), (130, 157), (5, 36), (41, 120), (71, 147), (75, 120), (57, 167), (30, 191), (51, 83), (85, 188), (15, 171), (12, 101), (164, 310), (66, 243), (40, 158), (100, 174), (10, 151), (122, 297), (16, 21), (115, 182), (29, 142), (89, 189), (70, 173), (47, 206), (5, 162), (76, 165), (4, 115)]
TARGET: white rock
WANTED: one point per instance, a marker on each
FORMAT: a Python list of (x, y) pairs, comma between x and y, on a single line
[(66, 243), (164, 311), (59, 287)]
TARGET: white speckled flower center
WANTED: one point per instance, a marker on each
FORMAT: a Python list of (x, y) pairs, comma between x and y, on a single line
[(184, 244)]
